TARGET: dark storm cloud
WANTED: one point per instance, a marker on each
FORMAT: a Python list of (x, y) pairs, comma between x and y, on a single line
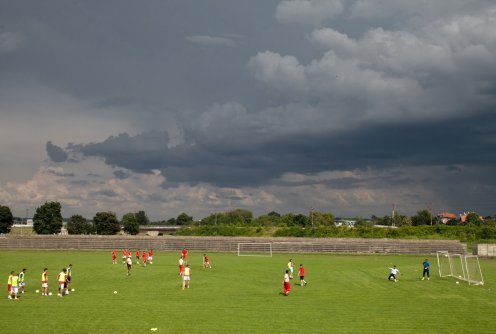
[(121, 174), (55, 153)]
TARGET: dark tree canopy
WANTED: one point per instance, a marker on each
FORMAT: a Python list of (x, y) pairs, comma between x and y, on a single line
[(423, 217), (106, 223), (130, 223), (142, 218), (78, 225), (48, 218), (6, 219)]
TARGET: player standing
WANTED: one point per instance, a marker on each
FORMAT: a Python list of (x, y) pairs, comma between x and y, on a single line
[(9, 285), (68, 278), (290, 268), (114, 257), (124, 256), (301, 273), (44, 282), (150, 256), (15, 285), (393, 272), (426, 266), (181, 266), (61, 279), (22, 282), (206, 262), (137, 256), (186, 276), (285, 283)]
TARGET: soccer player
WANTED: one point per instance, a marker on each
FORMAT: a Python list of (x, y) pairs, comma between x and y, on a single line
[(393, 272), (426, 266), (290, 268), (15, 285), (150, 256), (124, 255), (181, 266), (114, 257), (129, 264), (9, 285), (186, 276), (22, 276), (137, 256), (184, 254), (206, 263), (68, 278), (61, 281), (285, 283), (44, 282), (301, 273), (144, 256)]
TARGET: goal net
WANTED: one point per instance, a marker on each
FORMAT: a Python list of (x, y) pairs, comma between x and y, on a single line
[(254, 249), (463, 267)]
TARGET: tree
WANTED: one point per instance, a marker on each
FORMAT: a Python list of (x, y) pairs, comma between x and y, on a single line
[(130, 223), (106, 223), (48, 218), (142, 218), (300, 220), (183, 219), (423, 217), (78, 225), (473, 219), (239, 216), (321, 218), (6, 219)]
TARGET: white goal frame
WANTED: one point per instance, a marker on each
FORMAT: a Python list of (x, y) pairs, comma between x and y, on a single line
[(458, 267), (263, 249)]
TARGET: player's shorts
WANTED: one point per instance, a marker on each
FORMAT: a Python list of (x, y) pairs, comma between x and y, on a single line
[(150, 258), (21, 284), (291, 269), (9, 288), (128, 266), (287, 286), (302, 278), (15, 289), (44, 285), (186, 278), (62, 285)]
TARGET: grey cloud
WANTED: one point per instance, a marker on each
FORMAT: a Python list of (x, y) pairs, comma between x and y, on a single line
[(211, 41), (55, 153), (105, 193), (121, 174), (56, 173)]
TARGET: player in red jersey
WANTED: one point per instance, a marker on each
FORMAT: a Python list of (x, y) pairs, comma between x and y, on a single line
[(181, 266), (206, 263), (144, 256), (129, 253), (301, 273), (286, 284), (114, 257), (124, 256), (137, 256), (184, 254), (150, 256)]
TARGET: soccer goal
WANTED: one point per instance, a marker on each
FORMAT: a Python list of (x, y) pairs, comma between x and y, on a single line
[(254, 249), (463, 267)]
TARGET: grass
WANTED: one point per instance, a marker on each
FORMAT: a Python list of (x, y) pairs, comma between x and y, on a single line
[(345, 294)]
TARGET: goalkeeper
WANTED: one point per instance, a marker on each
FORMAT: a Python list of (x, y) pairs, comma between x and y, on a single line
[(426, 266)]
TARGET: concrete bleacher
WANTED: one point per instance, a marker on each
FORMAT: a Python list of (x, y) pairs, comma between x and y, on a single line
[(229, 244)]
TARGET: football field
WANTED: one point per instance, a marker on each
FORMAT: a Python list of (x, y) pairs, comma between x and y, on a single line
[(345, 294)]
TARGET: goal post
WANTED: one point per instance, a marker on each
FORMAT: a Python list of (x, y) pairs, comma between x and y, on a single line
[(459, 266), (255, 249)]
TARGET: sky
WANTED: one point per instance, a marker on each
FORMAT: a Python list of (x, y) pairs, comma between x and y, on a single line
[(345, 106)]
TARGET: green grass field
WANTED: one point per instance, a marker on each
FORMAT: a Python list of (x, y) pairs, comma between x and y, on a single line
[(345, 294)]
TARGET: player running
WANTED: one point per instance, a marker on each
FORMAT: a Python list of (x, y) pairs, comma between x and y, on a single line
[(150, 256), (290, 268), (128, 265), (301, 273), (285, 283), (426, 266), (206, 262), (124, 256), (144, 256), (393, 272), (181, 266), (137, 256)]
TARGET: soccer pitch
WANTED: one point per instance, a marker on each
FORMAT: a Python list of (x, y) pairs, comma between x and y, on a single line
[(345, 294)]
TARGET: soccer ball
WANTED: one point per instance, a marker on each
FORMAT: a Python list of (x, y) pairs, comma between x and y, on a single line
[(73, 290), (457, 282), (49, 293), (115, 292), (37, 291)]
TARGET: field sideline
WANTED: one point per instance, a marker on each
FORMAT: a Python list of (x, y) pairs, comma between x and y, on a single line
[(345, 294)]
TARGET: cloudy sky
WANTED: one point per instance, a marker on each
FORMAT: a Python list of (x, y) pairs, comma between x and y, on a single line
[(347, 106)]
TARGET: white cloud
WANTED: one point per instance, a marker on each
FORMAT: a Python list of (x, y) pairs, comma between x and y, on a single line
[(308, 12)]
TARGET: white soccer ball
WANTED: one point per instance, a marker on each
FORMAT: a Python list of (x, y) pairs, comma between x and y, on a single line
[(49, 293), (37, 291), (115, 292), (457, 282), (73, 290)]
